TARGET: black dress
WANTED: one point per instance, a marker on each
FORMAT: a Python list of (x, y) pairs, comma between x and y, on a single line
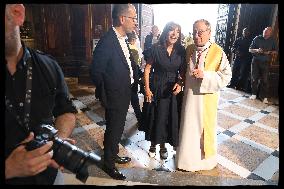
[(161, 116)]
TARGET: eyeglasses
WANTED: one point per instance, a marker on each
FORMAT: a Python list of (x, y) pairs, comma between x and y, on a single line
[(199, 33), (133, 18)]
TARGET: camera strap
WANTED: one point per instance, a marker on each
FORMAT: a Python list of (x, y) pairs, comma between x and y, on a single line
[(27, 103)]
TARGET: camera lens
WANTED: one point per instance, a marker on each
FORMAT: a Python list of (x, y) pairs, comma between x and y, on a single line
[(73, 158), (65, 154)]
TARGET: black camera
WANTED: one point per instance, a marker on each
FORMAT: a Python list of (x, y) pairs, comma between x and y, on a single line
[(65, 154)]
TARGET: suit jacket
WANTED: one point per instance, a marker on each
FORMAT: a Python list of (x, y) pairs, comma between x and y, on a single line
[(148, 41), (110, 72)]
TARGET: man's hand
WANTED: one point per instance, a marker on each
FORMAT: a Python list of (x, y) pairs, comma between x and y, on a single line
[(270, 53), (23, 163), (260, 51), (65, 124), (198, 73), (53, 163)]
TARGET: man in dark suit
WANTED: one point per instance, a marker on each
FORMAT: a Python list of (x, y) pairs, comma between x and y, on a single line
[(113, 74)]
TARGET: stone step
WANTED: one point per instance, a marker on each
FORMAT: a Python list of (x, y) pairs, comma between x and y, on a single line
[(89, 136), (178, 178), (71, 79), (140, 176), (70, 179), (85, 79), (72, 82)]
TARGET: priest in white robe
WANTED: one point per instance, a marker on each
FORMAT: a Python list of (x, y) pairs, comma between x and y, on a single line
[(208, 70)]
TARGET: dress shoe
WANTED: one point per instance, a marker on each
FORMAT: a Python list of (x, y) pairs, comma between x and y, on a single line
[(113, 173), (265, 101), (122, 160), (231, 86), (252, 97), (182, 170)]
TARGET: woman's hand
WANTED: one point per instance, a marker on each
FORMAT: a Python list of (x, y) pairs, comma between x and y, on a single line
[(176, 88), (149, 95)]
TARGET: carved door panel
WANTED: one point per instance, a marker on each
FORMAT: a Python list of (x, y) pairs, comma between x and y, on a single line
[(101, 15), (221, 26), (52, 28), (146, 21), (227, 21), (78, 16)]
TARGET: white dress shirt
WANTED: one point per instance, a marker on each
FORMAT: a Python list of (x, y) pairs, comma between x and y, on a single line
[(125, 50)]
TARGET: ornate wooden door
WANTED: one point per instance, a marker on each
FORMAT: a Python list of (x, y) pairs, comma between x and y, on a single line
[(226, 26), (146, 21)]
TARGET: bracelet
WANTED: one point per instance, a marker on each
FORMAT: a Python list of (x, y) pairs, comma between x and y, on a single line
[(180, 82)]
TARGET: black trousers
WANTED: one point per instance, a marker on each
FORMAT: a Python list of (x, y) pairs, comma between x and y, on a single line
[(135, 104), (115, 121), (240, 73), (259, 73)]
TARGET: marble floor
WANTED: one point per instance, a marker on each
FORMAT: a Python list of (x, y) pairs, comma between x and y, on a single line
[(247, 137)]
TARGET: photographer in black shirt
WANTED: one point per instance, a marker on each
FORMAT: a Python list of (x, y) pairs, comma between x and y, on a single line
[(35, 93)]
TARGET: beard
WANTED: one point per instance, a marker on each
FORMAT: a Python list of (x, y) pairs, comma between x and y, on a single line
[(12, 39)]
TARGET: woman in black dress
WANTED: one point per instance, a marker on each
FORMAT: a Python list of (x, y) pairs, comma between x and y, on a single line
[(166, 64)]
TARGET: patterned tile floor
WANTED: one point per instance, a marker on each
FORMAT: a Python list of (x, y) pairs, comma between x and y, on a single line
[(247, 135)]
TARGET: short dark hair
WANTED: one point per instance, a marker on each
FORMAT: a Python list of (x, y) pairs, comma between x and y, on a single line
[(169, 27), (118, 10)]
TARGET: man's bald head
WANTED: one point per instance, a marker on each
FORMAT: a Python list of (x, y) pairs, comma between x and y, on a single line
[(267, 32)]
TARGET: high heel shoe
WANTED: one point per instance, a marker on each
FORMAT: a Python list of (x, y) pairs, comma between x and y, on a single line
[(152, 151), (163, 153)]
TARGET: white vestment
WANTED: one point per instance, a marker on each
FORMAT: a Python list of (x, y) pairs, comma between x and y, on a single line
[(190, 152)]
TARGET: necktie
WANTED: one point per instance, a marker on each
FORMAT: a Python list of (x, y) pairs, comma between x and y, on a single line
[(198, 59)]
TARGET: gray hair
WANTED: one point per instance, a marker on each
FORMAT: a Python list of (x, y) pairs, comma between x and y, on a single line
[(119, 10), (206, 22)]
